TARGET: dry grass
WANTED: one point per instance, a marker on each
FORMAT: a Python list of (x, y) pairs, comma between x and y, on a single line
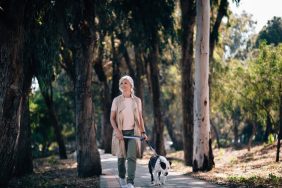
[(55, 173), (255, 168)]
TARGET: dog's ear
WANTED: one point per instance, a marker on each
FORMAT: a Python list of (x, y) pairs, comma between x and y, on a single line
[(169, 162), (163, 165)]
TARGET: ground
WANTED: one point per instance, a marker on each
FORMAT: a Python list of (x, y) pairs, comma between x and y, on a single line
[(255, 168), (55, 173)]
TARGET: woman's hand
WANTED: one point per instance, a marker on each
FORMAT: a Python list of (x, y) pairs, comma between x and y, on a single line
[(144, 136), (119, 135)]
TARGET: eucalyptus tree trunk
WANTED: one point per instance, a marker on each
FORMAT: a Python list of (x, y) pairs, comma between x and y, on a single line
[(202, 155), (88, 157), (158, 137), (11, 86), (188, 8)]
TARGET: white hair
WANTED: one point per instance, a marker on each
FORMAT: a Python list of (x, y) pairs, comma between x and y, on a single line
[(126, 77)]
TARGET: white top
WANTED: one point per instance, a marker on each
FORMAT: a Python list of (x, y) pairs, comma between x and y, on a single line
[(128, 122)]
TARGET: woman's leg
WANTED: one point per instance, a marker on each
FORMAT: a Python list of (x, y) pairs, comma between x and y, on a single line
[(121, 168), (131, 160)]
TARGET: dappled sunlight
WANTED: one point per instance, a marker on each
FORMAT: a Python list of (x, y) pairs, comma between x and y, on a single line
[(259, 162), (53, 172)]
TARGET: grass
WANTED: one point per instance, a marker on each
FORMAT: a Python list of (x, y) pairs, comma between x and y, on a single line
[(255, 168)]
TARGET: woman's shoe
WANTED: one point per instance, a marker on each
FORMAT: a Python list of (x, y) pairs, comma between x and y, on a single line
[(130, 185), (122, 183)]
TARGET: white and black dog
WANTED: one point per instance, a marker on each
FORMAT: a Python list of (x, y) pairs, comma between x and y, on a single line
[(158, 165)]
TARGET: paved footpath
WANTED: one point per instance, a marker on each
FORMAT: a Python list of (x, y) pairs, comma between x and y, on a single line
[(142, 179)]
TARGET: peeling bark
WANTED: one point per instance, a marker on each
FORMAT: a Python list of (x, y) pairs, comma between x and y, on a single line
[(202, 155)]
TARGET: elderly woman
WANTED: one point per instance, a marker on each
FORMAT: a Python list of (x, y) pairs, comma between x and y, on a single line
[(126, 120)]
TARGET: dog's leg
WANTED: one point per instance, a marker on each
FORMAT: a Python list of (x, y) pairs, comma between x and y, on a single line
[(164, 180), (156, 178), (152, 177)]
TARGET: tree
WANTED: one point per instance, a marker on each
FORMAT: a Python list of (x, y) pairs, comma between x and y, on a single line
[(23, 164), (238, 36), (44, 51), (106, 104), (271, 33), (250, 93), (88, 158), (12, 14), (188, 9), (77, 29), (221, 12), (171, 87), (202, 153), (151, 24), (280, 125)]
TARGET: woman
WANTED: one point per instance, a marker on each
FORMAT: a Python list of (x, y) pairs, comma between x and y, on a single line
[(126, 120)]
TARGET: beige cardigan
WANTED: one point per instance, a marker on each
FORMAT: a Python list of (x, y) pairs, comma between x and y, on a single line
[(118, 146)]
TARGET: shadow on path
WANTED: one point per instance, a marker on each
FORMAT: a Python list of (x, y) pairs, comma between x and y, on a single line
[(142, 179)]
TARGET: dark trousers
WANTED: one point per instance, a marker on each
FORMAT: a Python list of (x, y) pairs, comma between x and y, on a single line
[(130, 147)]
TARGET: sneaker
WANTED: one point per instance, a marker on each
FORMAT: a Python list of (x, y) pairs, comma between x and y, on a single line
[(122, 183), (130, 185)]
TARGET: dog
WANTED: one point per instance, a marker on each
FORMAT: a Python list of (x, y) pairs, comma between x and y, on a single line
[(158, 165)]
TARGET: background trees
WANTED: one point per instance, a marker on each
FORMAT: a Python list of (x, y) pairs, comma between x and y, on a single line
[(77, 51), (271, 33)]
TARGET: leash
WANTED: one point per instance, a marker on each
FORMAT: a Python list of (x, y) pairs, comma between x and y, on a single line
[(150, 146), (134, 137), (142, 139)]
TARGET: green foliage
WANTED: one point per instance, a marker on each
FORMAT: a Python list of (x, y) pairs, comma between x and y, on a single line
[(64, 105), (237, 36), (275, 179), (248, 91), (271, 139), (53, 160), (271, 180), (146, 18), (43, 138), (224, 142), (45, 44), (42, 133), (171, 89), (272, 32)]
